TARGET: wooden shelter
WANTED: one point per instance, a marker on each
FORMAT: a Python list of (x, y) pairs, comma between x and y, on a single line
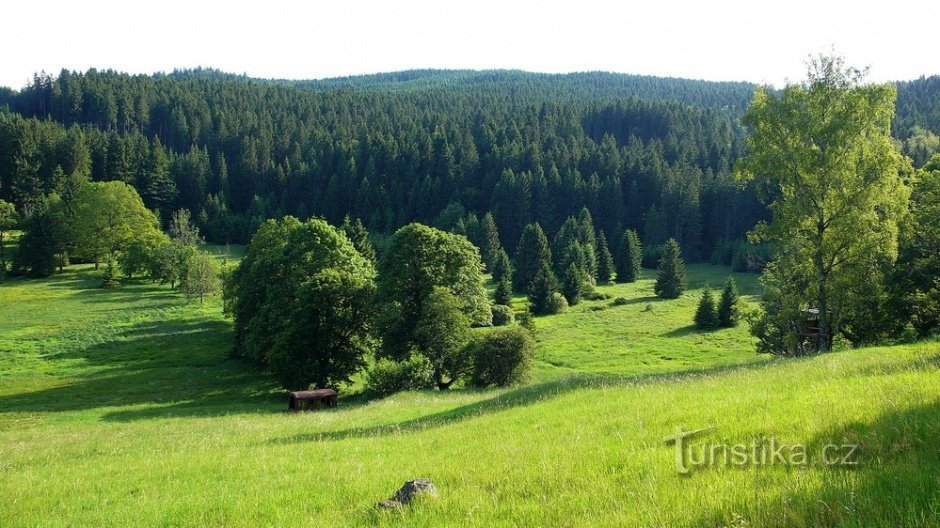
[(312, 399)]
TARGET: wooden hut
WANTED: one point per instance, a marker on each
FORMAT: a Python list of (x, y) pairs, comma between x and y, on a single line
[(312, 399)]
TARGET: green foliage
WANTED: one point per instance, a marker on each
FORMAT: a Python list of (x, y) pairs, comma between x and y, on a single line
[(183, 230), (42, 246), (502, 357), (706, 315), (532, 254), (300, 299), (915, 280), (630, 257), (605, 262), (8, 220), (357, 234), (823, 160), (671, 280), (489, 241), (418, 259), (502, 315), (202, 276), (441, 334), (387, 377), (109, 217), (502, 276), (728, 304), (542, 292), (573, 284)]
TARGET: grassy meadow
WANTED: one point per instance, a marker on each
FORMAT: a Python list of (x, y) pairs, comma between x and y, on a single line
[(123, 407)]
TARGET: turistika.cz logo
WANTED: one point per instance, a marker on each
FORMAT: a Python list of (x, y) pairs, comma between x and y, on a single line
[(691, 455)]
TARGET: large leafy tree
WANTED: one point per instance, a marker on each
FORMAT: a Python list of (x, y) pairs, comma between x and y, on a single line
[(418, 259), (824, 162), (301, 301), (442, 334), (109, 217)]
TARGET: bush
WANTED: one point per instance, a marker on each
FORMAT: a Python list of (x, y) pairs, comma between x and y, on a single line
[(502, 357), (556, 305), (598, 296), (527, 321), (388, 377), (502, 315), (620, 301)]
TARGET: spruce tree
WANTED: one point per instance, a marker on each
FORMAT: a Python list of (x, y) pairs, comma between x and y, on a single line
[(605, 262), (671, 281), (357, 234), (630, 257), (532, 254), (489, 240), (502, 275), (573, 284), (543, 287), (728, 305), (706, 316)]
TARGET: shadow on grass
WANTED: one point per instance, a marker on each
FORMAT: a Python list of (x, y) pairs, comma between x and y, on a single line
[(518, 397), (893, 482), (179, 367)]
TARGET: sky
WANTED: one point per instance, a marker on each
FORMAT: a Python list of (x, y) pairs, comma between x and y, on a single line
[(759, 41)]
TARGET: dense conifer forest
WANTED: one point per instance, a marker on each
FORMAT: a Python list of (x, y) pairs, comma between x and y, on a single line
[(441, 147)]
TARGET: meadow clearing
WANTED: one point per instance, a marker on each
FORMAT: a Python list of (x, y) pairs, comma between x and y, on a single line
[(124, 408)]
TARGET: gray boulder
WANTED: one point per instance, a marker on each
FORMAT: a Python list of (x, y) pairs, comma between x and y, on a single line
[(409, 491)]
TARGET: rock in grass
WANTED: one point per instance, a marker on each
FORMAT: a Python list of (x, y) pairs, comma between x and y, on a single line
[(409, 491)]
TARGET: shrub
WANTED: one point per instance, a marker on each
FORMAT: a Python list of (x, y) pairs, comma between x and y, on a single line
[(598, 296), (502, 315), (527, 321), (556, 305), (388, 377), (502, 357), (620, 301)]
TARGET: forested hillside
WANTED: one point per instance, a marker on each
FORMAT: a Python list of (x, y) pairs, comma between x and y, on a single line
[(645, 153)]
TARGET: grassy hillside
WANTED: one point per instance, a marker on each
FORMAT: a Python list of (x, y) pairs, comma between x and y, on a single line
[(124, 408)]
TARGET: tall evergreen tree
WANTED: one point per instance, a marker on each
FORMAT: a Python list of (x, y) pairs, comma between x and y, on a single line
[(706, 316), (489, 240), (605, 262), (573, 284), (532, 253), (629, 258), (728, 304), (671, 281), (359, 236), (502, 276), (543, 289)]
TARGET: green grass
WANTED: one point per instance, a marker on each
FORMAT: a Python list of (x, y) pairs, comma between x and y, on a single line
[(123, 408)]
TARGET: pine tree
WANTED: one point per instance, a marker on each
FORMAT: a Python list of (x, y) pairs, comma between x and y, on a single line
[(706, 316), (671, 281), (605, 262), (629, 258), (532, 254), (502, 275), (544, 286), (489, 240), (359, 236), (573, 284), (728, 305)]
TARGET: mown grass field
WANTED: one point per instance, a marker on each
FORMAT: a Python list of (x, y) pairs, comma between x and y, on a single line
[(123, 408)]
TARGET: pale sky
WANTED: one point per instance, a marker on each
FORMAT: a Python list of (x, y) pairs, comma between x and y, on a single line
[(756, 41)]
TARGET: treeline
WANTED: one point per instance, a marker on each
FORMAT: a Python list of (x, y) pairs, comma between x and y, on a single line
[(235, 151)]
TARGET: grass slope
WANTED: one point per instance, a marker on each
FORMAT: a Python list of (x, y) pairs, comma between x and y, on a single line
[(123, 408)]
